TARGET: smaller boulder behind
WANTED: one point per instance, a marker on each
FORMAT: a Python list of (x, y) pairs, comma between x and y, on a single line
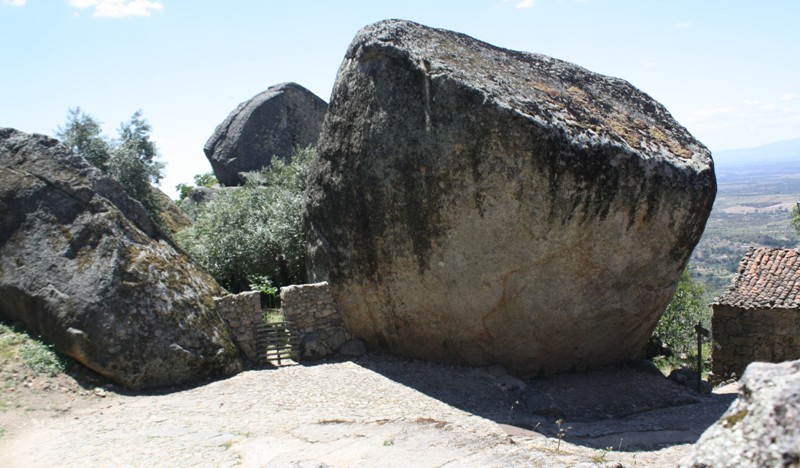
[(271, 124)]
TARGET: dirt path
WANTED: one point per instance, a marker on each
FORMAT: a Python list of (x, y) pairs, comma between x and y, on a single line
[(376, 411)]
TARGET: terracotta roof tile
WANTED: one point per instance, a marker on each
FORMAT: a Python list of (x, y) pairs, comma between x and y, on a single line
[(766, 278)]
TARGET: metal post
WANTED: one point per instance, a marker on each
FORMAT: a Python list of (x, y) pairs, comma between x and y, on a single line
[(699, 358), (701, 332)]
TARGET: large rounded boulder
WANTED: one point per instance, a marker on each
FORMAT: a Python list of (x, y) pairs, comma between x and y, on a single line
[(83, 265), (478, 205), (270, 124)]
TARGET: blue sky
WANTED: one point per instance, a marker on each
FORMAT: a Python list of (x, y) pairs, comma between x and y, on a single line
[(727, 70)]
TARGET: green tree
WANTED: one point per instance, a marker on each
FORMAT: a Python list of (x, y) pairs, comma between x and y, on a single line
[(206, 179), (675, 328), (82, 135), (132, 160), (254, 231), (795, 221)]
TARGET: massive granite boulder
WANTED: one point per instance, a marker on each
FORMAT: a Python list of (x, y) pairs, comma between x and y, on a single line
[(83, 265), (271, 124), (762, 427), (478, 205)]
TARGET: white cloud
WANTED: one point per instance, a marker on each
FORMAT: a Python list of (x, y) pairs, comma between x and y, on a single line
[(524, 4), (789, 96), (119, 8), (752, 102), (685, 25), (651, 64), (14, 2), (769, 107)]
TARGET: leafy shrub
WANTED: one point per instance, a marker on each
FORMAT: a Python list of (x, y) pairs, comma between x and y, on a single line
[(206, 179), (254, 231), (675, 328)]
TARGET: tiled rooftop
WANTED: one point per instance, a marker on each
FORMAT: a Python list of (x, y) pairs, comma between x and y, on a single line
[(766, 278)]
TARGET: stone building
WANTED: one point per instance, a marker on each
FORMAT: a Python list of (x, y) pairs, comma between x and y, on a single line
[(758, 318)]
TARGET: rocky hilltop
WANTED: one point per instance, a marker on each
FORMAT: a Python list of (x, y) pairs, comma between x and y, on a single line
[(479, 205), (83, 265)]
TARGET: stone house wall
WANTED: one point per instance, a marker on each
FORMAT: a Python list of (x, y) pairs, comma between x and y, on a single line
[(742, 336), (242, 313), (312, 310)]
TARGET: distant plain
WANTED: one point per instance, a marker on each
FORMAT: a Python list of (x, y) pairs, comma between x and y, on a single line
[(755, 197)]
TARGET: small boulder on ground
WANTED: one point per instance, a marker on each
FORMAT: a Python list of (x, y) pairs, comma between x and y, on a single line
[(352, 349), (271, 124), (477, 205), (762, 427), (83, 265)]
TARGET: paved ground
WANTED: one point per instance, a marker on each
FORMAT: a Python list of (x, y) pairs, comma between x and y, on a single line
[(376, 411)]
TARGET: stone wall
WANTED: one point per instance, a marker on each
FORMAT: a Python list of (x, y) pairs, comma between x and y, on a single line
[(743, 336), (242, 313), (311, 308)]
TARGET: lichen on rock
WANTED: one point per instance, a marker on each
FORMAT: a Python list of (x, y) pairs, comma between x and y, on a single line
[(479, 205), (83, 265)]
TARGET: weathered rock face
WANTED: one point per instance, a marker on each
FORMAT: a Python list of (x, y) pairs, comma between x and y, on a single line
[(82, 264), (173, 218), (473, 204), (271, 124), (762, 427)]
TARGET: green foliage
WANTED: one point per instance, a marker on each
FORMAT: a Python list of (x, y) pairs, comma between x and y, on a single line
[(83, 136), (795, 221), (132, 160), (667, 364), (254, 231), (675, 329), (262, 284), (269, 293), (206, 179), (40, 357), (273, 316)]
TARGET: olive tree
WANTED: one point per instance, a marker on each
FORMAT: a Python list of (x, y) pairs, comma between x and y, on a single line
[(255, 231)]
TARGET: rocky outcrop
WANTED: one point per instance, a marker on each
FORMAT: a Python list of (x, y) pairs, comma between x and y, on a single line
[(478, 205), (762, 427), (83, 265), (271, 124), (173, 218)]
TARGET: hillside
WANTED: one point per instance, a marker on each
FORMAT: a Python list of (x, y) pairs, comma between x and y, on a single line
[(757, 188)]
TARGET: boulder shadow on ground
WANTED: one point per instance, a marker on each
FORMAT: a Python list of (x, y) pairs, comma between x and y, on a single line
[(624, 408)]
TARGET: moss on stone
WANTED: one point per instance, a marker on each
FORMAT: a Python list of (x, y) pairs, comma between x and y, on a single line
[(735, 418)]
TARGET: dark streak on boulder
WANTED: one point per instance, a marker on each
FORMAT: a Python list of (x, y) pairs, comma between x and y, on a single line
[(476, 205)]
